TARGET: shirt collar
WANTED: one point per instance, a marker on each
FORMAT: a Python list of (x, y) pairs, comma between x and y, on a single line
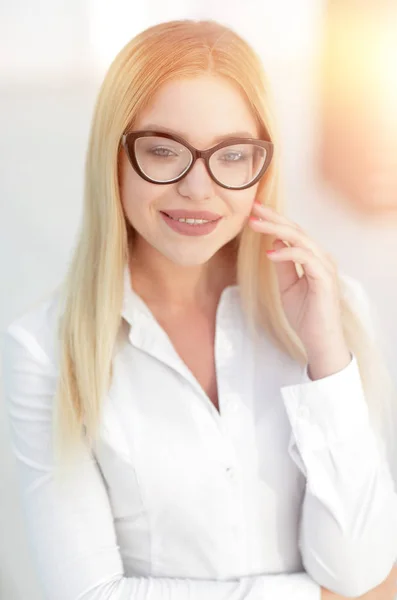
[(147, 335), (133, 305)]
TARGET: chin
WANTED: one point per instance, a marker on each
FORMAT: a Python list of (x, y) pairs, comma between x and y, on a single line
[(191, 257)]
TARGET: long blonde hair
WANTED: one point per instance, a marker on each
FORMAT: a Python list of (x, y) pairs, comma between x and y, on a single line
[(93, 287)]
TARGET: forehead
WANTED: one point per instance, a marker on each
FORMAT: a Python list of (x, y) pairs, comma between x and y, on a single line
[(201, 109)]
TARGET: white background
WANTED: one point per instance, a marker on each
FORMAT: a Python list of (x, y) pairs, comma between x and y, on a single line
[(53, 55)]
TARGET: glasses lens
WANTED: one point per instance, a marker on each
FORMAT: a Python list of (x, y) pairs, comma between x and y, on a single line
[(238, 165), (160, 158)]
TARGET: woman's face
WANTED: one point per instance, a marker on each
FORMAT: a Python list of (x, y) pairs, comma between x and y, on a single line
[(202, 110)]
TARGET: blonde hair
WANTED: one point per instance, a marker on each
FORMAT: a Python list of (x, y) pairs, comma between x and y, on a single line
[(93, 286)]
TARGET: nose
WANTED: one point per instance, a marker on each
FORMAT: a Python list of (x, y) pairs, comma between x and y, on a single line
[(197, 184)]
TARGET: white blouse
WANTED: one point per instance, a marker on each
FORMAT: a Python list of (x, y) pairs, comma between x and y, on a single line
[(281, 491)]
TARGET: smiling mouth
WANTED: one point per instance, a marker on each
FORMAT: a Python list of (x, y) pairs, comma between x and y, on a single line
[(190, 220)]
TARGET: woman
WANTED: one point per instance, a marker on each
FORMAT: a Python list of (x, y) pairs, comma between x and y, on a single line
[(213, 438)]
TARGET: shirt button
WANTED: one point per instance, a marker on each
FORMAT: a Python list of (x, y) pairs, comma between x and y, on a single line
[(231, 473), (304, 413)]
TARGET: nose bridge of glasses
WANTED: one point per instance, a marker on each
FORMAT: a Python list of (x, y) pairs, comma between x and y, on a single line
[(198, 156), (203, 156), (199, 171)]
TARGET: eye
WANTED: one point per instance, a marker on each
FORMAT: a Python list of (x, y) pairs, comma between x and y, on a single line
[(233, 156), (161, 151)]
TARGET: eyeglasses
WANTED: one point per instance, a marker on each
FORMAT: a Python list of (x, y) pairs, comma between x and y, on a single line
[(162, 158)]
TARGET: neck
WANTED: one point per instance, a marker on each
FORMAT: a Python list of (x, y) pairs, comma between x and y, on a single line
[(160, 282)]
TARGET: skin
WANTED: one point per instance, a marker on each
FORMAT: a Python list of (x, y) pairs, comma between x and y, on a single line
[(187, 271), (311, 302), (181, 278)]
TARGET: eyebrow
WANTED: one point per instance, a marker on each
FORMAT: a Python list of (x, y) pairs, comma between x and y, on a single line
[(215, 140)]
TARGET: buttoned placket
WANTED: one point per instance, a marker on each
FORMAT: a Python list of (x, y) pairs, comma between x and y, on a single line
[(227, 345), (147, 335)]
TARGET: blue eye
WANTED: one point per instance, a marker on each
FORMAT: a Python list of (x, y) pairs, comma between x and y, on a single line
[(234, 157), (161, 152)]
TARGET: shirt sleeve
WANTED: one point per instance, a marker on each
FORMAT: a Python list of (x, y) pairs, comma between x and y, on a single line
[(70, 526), (348, 528)]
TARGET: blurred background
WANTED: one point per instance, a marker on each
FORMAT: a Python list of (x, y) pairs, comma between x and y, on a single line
[(333, 70)]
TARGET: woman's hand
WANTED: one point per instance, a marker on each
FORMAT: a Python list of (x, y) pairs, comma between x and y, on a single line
[(311, 301), (387, 590)]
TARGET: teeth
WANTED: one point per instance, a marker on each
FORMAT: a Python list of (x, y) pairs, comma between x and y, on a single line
[(192, 221)]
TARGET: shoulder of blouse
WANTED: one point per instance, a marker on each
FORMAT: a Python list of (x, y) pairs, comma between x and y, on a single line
[(36, 328)]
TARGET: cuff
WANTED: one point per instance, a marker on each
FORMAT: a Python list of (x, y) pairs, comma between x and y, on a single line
[(333, 407)]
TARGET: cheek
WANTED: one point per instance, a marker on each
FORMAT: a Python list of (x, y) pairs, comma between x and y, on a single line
[(241, 202), (138, 197)]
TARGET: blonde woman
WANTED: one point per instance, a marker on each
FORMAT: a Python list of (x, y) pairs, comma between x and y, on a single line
[(197, 412)]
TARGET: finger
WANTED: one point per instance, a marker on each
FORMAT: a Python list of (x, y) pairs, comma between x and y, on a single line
[(284, 231), (311, 264), (286, 271), (269, 214), (272, 214), (293, 236)]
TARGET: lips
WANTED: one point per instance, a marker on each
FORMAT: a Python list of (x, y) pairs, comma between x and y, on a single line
[(191, 227), (190, 214)]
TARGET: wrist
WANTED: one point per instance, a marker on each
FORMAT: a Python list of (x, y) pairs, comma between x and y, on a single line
[(328, 595), (320, 366)]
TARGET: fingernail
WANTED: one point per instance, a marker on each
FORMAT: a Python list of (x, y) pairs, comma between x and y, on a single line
[(270, 251)]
